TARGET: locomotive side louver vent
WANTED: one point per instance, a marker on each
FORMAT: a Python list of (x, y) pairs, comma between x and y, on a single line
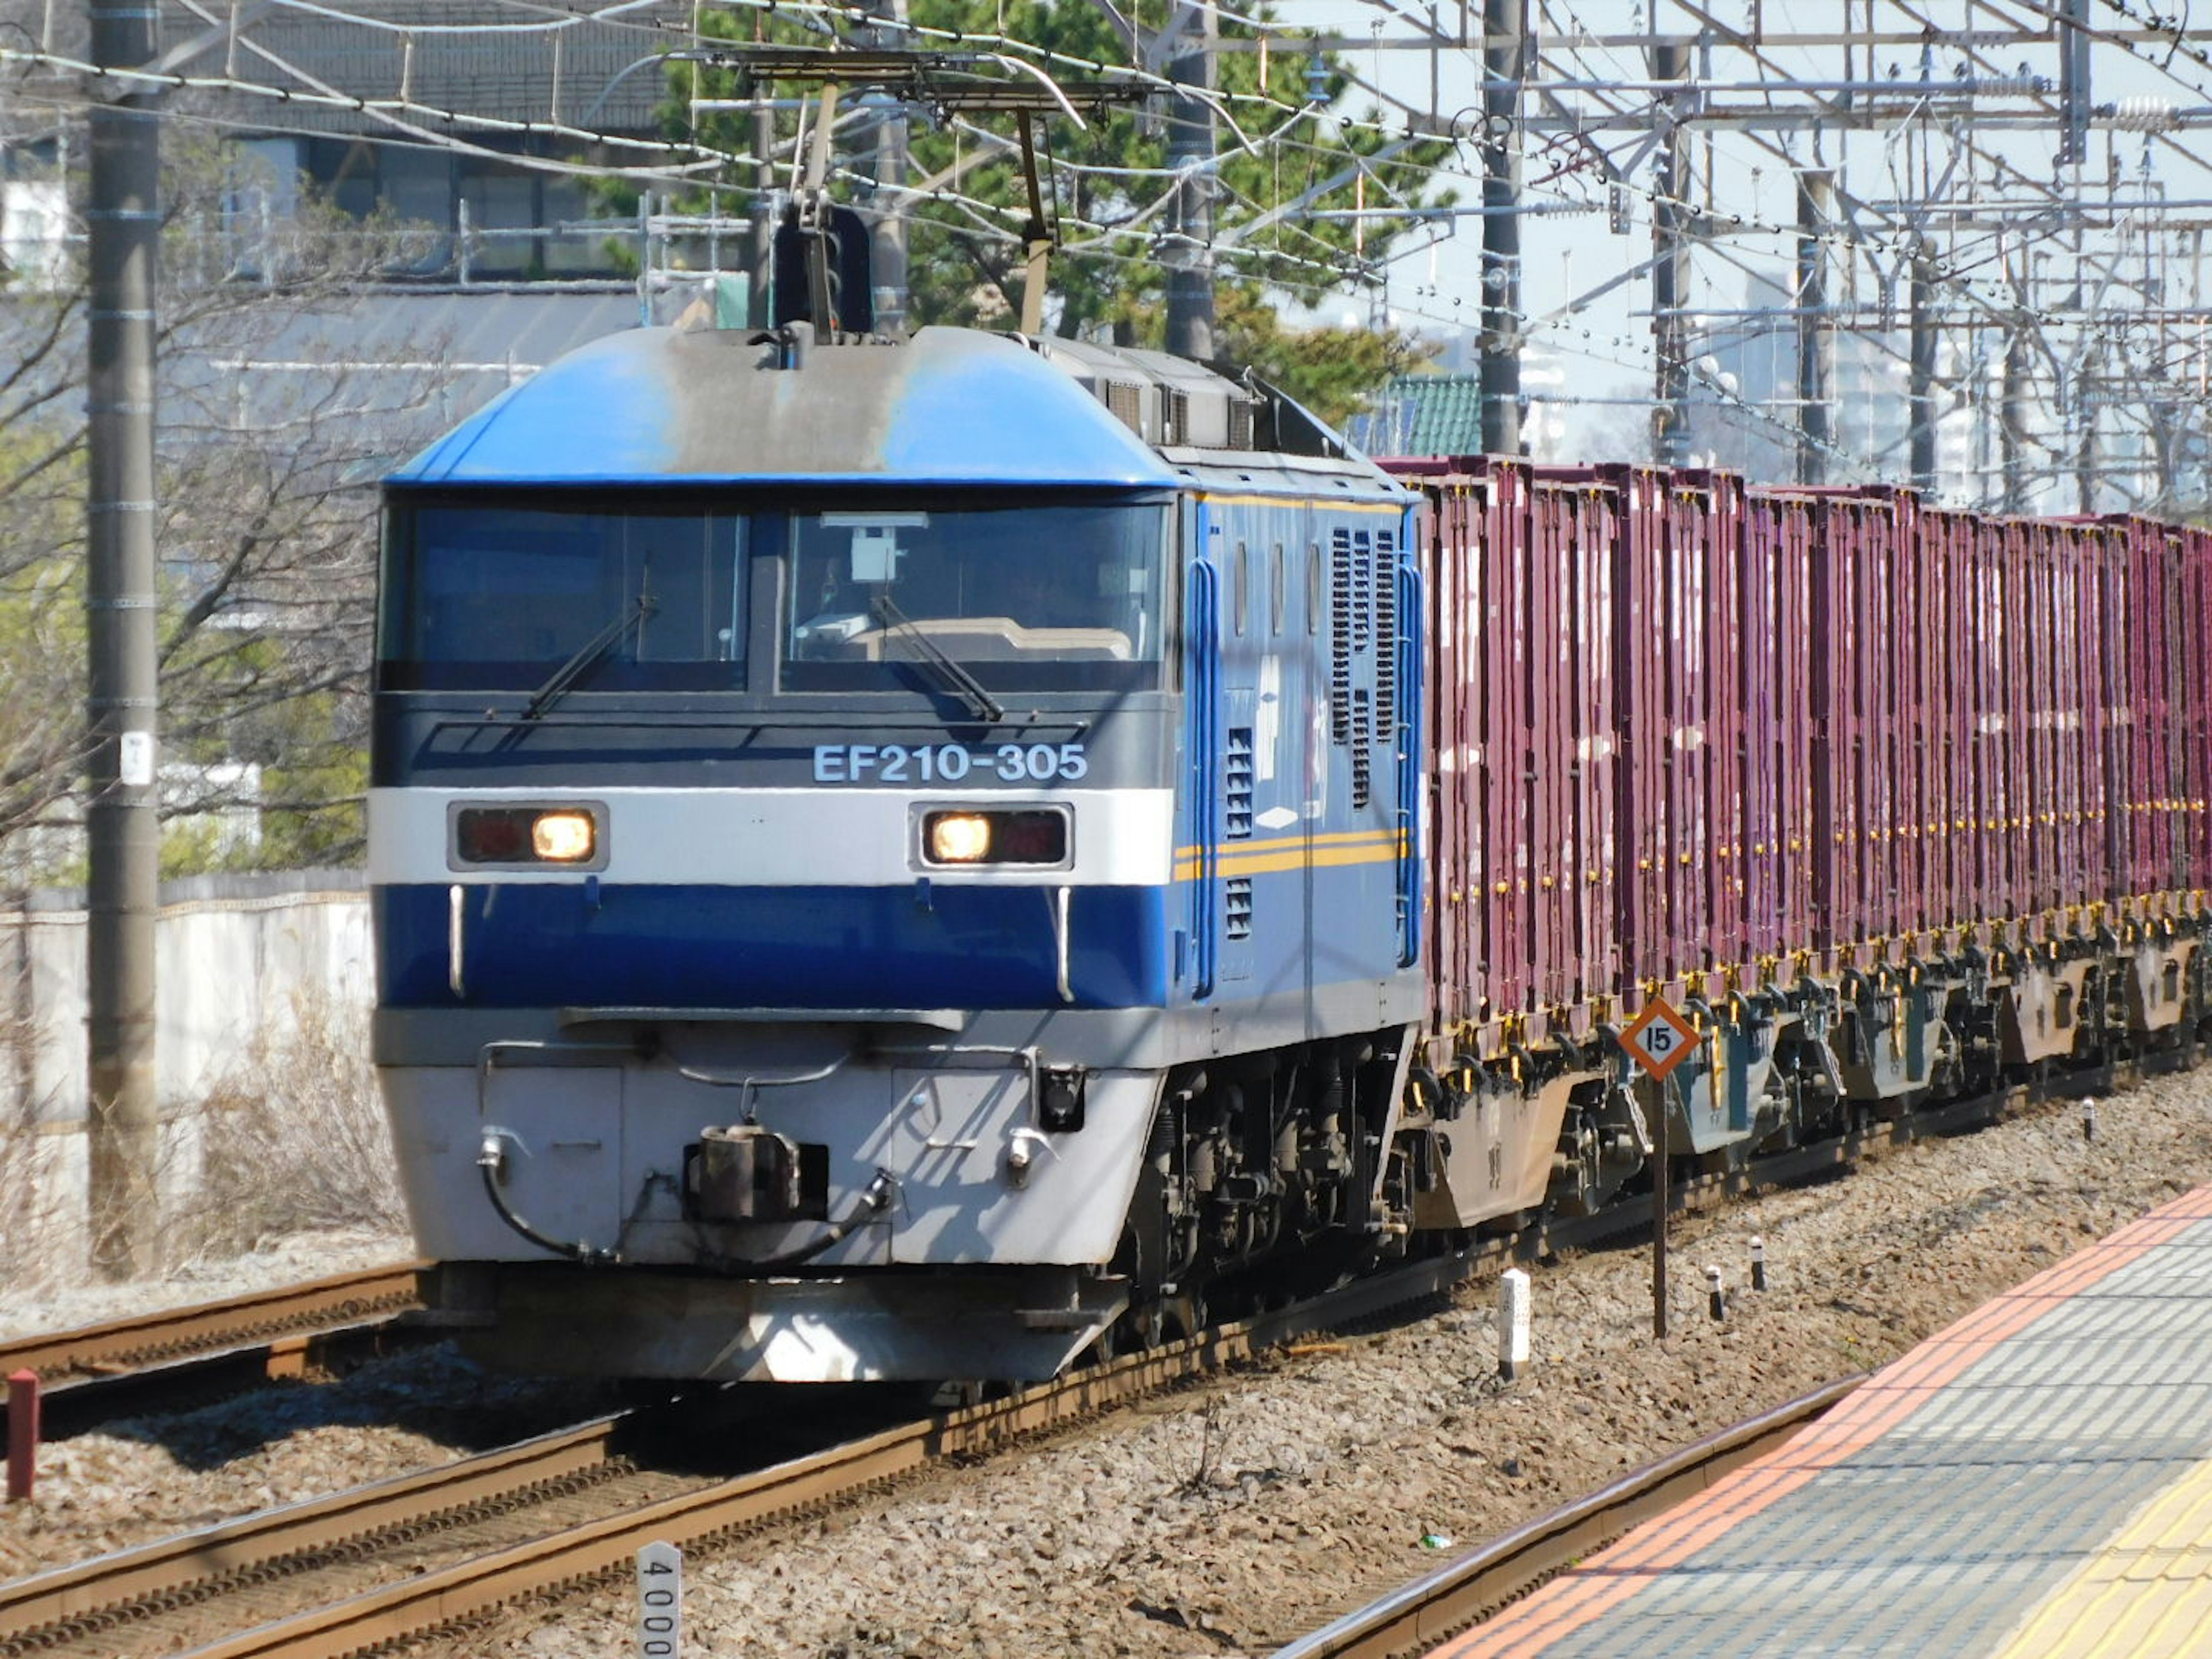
[(1125, 403), (1362, 581), (1340, 657), (1362, 759), (1240, 426), (1237, 901), (1386, 640), (1237, 784)]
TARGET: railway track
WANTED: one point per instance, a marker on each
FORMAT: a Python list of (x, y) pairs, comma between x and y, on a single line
[(1435, 1608), (321, 1326), (378, 1564)]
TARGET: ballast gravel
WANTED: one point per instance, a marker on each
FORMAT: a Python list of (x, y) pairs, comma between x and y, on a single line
[(1231, 1518)]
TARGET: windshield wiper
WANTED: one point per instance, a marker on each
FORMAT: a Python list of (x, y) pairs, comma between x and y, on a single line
[(588, 653), (949, 674)]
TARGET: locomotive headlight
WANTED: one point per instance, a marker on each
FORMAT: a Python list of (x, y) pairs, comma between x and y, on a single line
[(965, 836), (571, 834), (957, 837), (563, 837)]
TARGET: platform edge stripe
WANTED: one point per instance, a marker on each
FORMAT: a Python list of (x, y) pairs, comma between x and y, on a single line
[(1580, 1596), (1890, 1397)]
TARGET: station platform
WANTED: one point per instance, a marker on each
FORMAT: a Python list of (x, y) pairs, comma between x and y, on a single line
[(2035, 1480)]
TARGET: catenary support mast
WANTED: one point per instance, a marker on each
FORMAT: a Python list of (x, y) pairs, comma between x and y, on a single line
[(122, 824)]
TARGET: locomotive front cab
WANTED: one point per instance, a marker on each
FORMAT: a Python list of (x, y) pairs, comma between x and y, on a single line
[(845, 882), (773, 838)]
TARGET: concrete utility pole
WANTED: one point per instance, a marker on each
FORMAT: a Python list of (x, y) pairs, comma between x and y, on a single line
[(2012, 418), (1505, 64), (888, 260), (1816, 340), (760, 255), (1190, 156), (1670, 276), (122, 821), (888, 251), (2085, 436), (1921, 392)]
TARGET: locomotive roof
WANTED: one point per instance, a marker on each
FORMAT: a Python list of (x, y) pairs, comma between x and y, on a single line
[(660, 405)]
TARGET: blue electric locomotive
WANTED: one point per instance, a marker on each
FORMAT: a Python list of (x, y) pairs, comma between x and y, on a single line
[(890, 860)]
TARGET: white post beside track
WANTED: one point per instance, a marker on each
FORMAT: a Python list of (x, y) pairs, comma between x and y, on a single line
[(659, 1601), (1512, 1323)]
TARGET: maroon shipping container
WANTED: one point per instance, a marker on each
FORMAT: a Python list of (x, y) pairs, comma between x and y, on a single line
[(1776, 630), (2148, 630), (2193, 675), (2003, 582), (1850, 776), (1685, 730), (1682, 719), (1521, 828)]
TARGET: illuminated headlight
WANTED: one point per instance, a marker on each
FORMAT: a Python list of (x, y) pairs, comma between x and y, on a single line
[(959, 837), (971, 836), (563, 837), (522, 837)]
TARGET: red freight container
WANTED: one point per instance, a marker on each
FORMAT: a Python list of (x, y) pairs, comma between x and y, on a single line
[(1520, 696), (2193, 697), (1682, 727), (2148, 629), (1776, 631)]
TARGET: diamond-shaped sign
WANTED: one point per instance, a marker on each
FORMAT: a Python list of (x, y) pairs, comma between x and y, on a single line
[(1659, 1039)]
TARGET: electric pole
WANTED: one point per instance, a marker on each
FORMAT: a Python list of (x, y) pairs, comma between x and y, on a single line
[(1190, 158), (761, 254), (1504, 63), (888, 251), (1920, 396), (888, 255), (2085, 436), (1670, 271), (2012, 419), (122, 818), (1816, 343)]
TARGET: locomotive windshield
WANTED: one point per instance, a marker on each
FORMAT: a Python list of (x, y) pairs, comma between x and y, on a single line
[(495, 595), (1028, 597), (624, 594)]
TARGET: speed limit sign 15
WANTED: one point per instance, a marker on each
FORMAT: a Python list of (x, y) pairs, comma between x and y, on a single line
[(1659, 1039)]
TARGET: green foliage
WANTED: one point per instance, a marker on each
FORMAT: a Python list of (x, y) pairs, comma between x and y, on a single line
[(1332, 371), (967, 255), (267, 552)]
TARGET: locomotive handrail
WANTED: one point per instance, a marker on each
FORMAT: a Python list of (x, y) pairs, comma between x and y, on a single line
[(1412, 689), (1204, 759)]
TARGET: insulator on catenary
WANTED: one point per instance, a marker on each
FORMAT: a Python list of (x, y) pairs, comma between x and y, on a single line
[(2144, 115)]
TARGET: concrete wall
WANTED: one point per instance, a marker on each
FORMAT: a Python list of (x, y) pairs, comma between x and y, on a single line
[(238, 956), (235, 955)]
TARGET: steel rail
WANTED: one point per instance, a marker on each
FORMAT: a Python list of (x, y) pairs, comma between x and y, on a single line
[(68, 1603), (282, 1321), (1463, 1592)]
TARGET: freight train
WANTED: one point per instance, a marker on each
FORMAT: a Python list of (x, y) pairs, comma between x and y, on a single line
[(931, 860)]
